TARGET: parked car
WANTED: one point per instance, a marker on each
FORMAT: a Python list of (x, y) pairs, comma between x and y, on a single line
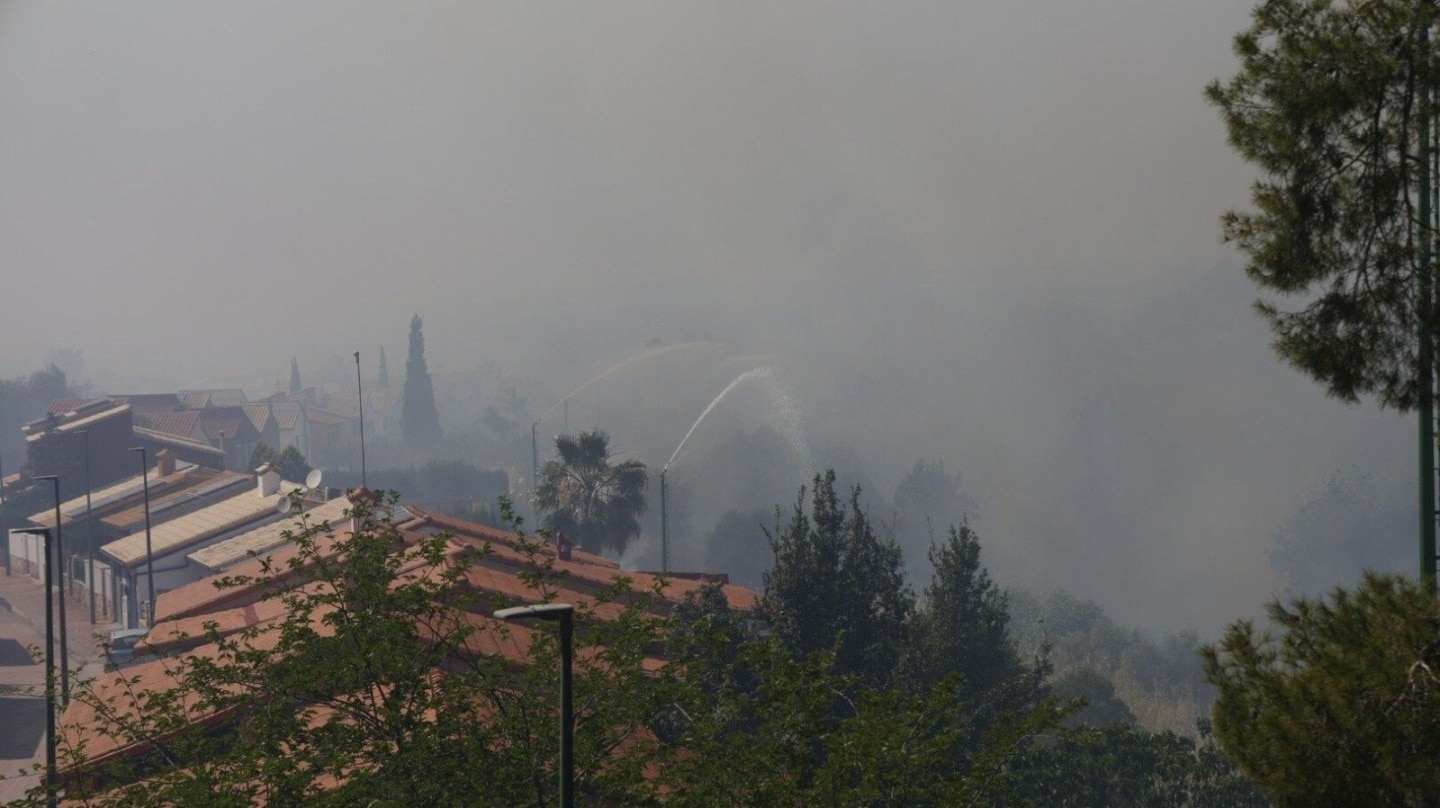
[(120, 646)]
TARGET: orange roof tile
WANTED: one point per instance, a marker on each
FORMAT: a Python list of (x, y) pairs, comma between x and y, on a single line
[(183, 424)]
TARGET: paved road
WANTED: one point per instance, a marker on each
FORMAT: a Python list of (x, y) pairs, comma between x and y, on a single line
[(22, 679)]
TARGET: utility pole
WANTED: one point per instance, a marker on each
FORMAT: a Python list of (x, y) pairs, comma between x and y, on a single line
[(1424, 311)]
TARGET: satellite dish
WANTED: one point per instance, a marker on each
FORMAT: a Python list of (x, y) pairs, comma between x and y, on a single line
[(312, 480), (282, 506)]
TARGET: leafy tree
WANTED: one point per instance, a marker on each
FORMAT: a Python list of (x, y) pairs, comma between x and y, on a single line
[(292, 464), (1121, 768), (376, 686), (835, 583), (596, 502), (1102, 707), (295, 384), (24, 399), (962, 625), (1343, 707), (419, 420), (1329, 104), (756, 725)]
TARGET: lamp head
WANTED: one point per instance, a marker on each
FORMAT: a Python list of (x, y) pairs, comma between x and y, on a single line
[(545, 611)]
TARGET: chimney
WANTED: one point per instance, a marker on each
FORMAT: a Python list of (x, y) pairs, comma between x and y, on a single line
[(267, 478), (361, 499), (164, 463)]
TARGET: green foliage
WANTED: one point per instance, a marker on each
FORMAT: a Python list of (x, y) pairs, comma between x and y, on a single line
[(1342, 708), (1327, 106), (292, 464), (1121, 768), (379, 686), (24, 399), (452, 487), (760, 726), (595, 502), (1102, 708), (835, 583), (419, 420), (962, 627), (1161, 679)]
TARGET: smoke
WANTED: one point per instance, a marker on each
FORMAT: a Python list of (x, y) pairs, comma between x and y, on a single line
[(983, 233)]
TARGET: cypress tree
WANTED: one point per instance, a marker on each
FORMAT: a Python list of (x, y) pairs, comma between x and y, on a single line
[(419, 420), (295, 385), (384, 376)]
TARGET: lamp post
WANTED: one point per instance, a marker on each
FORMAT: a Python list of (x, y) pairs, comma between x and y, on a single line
[(149, 552), (360, 402), (89, 538), (59, 556), (3, 531), (563, 613), (49, 669), (664, 526)]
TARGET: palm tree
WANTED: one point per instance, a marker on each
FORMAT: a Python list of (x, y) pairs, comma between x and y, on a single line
[(595, 503)]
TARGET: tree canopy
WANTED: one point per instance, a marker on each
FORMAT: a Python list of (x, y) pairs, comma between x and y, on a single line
[(962, 625), (381, 682), (1341, 708), (419, 419), (833, 577), (597, 503), (1329, 106)]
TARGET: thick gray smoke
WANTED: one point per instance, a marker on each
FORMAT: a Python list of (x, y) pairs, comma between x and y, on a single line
[(983, 233)]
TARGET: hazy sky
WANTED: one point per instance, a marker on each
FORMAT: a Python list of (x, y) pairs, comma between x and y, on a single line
[(982, 230)]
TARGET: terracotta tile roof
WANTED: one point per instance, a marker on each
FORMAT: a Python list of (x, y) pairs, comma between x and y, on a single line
[(288, 419), (259, 415), (123, 694), (149, 402), (584, 570), (166, 439), (199, 597), (94, 412), (217, 397), (60, 406), (227, 421), (182, 424)]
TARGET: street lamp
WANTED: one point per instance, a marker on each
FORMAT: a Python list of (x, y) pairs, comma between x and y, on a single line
[(89, 537), (3, 531), (149, 553), (49, 669), (59, 556), (564, 614)]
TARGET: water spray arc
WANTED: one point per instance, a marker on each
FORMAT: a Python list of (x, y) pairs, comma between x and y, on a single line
[(664, 514), (653, 353)]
